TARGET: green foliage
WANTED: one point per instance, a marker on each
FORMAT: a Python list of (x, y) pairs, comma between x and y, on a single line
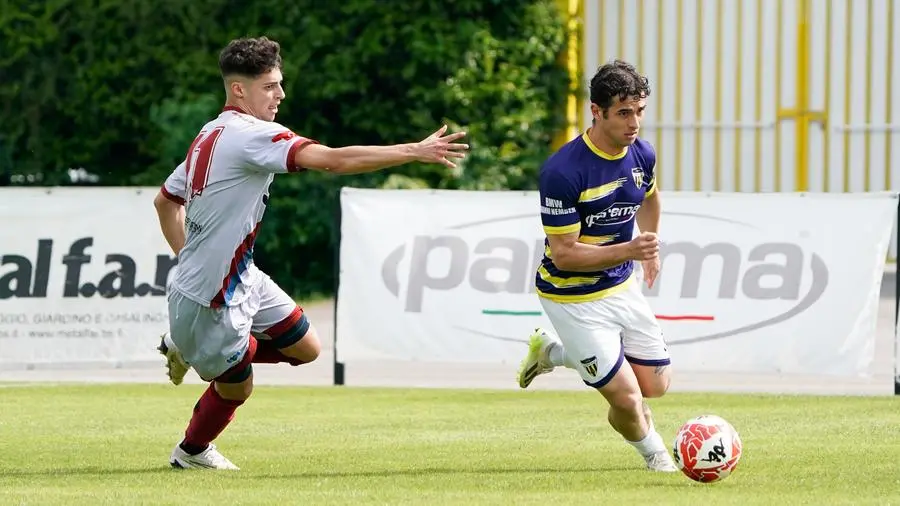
[(121, 88)]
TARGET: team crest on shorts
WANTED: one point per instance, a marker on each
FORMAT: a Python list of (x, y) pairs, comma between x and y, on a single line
[(590, 365), (637, 174)]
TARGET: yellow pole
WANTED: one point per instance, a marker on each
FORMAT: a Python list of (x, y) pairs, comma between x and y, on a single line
[(826, 84), (679, 80), (801, 113), (801, 182), (717, 114), (867, 139), (779, 41), (738, 104), (757, 109), (571, 58), (889, 86), (848, 73), (698, 103)]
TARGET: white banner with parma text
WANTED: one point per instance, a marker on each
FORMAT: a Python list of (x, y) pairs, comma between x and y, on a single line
[(82, 276), (763, 283)]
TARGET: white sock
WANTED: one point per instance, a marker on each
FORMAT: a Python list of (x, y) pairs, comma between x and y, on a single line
[(558, 357), (652, 443), (556, 354)]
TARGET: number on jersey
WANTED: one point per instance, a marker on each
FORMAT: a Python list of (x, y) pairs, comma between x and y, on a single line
[(198, 160)]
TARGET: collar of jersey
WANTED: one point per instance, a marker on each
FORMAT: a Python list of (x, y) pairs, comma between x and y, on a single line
[(233, 108), (602, 154)]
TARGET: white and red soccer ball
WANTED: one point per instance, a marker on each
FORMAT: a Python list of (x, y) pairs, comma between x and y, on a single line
[(707, 449)]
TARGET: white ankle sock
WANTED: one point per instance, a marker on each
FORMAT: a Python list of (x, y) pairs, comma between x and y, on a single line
[(652, 443), (557, 355)]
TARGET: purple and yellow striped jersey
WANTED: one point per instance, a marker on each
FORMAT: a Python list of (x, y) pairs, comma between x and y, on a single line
[(585, 190)]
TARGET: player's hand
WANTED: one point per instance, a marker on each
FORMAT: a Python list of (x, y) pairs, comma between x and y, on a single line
[(645, 247), (440, 148), (651, 270)]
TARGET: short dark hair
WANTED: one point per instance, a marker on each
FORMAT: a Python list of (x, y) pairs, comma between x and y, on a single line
[(617, 80), (250, 57)]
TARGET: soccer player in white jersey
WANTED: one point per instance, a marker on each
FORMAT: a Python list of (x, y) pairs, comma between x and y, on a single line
[(592, 191), (224, 313)]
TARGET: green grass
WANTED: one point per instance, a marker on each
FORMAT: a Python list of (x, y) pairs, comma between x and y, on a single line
[(109, 444)]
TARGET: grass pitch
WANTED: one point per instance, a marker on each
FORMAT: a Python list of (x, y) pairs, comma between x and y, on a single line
[(109, 444)]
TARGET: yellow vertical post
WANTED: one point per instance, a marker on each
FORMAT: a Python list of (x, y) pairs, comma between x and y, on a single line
[(779, 58), (801, 182), (738, 104), (888, 87), (801, 113), (848, 88), (867, 139), (826, 84), (717, 110), (698, 102), (572, 11), (657, 106), (679, 82), (757, 103)]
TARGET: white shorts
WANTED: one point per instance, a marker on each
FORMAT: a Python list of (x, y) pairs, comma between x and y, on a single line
[(600, 334), (215, 341)]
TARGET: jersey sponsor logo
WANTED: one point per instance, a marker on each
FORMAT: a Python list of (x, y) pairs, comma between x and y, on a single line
[(553, 211), (192, 226), (549, 202), (619, 212), (554, 207), (284, 136)]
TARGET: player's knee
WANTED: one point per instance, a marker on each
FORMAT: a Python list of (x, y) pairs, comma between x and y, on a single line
[(626, 402), (235, 391), (653, 380), (312, 346), (656, 388), (307, 349)]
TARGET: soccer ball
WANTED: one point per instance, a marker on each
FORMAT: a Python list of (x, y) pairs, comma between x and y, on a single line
[(707, 449)]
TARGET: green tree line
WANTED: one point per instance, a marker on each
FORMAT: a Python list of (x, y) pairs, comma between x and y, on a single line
[(119, 88)]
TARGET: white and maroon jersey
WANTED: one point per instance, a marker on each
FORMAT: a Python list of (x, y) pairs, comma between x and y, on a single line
[(224, 185)]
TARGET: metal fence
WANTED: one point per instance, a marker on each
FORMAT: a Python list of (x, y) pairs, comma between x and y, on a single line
[(754, 95)]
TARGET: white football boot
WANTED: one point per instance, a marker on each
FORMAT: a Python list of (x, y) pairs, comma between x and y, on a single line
[(537, 361), (175, 363), (210, 458), (661, 462)]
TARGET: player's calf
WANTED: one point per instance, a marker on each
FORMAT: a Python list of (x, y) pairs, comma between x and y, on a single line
[(213, 412), (628, 416)]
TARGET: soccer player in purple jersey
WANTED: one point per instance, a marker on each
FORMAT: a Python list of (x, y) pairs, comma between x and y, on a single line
[(592, 191)]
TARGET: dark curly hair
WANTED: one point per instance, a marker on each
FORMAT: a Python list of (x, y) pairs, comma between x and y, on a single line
[(617, 80), (250, 57)]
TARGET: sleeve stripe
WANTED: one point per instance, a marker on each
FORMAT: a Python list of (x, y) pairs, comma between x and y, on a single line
[(651, 191), (291, 162), (565, 229), (169, 195)]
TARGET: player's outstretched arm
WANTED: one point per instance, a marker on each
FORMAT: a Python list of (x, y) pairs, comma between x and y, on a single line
[(570, 255), (171, 221), (438, 147)]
